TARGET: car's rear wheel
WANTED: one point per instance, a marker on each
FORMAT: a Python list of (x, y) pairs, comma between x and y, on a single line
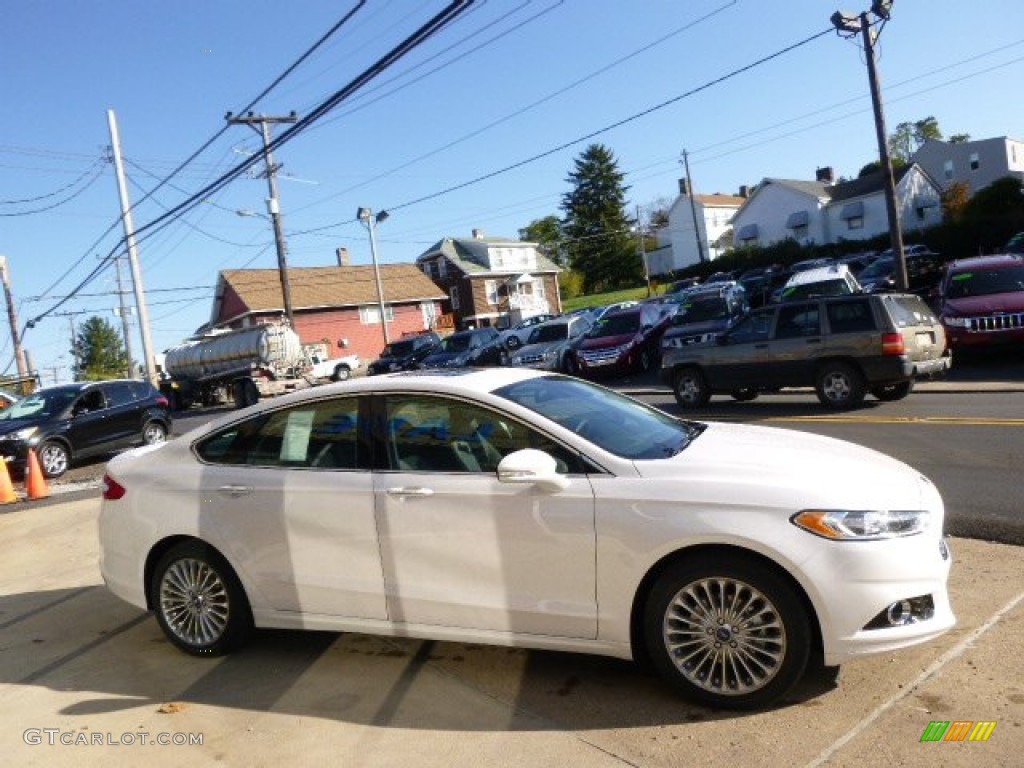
[(690, 388), (727, 634), (840, 385), (513, 342), (200, 604), (744, 394), (891, 392), (341, 372), (54, 458), (153, 432)]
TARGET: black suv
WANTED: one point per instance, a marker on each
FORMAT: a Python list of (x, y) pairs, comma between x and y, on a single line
[(705, 312), (75, 421), (479, 346), (404, 354), (842, 346)]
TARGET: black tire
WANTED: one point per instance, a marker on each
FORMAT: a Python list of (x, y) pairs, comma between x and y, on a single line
[(341, 373), (200, 604), (569, 364), (513, 342), (54, 458), (727, 632), (744, 395), (891, 392), (840, 385), (690, 388), (645, 361), (238, 392), (153, 432)]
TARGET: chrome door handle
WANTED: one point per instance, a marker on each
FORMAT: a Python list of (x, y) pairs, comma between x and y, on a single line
[(401, 492), (234, 491)]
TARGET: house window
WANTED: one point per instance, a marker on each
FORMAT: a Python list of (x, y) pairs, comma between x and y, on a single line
[(947, 169), (442, 267), (432, 271), (454, 296), (855, 222), (429, 311), (370, 315), (491, 287), (975, 161), (538, 290)]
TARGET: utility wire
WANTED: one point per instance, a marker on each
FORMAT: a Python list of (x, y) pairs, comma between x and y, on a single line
[(95, 175), (56, 192)]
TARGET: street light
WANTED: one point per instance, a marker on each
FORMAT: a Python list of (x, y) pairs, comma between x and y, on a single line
[(849, 25), (366, 216)]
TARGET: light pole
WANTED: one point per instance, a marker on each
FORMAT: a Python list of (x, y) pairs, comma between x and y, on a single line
[(366, 216), (641, 233), (850, 25)]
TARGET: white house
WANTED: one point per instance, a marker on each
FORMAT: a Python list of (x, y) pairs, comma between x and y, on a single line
[(822, 212), (713, 218), (978, 163)]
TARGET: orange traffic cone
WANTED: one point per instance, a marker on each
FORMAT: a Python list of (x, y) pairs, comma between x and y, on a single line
[(7, 494), (35, 482)]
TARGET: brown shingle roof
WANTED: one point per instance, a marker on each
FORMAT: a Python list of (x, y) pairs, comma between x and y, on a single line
[(313, 287), (717, 199)]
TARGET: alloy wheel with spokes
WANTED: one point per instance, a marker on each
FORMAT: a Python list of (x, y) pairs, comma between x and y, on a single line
[(731, 635), (54, 458), (199, 603)]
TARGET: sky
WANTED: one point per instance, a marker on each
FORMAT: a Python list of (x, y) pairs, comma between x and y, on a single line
[(476, 128)]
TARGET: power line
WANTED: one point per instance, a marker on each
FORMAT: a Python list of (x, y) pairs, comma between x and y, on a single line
[(96, 174), (56, 192)]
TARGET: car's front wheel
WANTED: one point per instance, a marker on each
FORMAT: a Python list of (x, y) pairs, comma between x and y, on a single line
[(200, 604), (341, 372), (840, 385), (54, 458), (690, 388), (891, 392), (727, 634)]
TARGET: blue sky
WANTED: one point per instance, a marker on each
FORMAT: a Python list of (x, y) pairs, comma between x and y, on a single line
[(510, 80)]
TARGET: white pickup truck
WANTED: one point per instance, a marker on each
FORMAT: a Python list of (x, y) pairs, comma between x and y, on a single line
[(335, 369)]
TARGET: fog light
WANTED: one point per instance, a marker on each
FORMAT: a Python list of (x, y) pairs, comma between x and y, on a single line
[(910, 610)]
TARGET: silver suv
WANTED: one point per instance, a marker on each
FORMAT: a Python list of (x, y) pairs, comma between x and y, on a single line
[(550, 345), (844, 347)]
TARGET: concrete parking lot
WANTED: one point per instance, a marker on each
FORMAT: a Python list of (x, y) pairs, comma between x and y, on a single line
[(88, 680)]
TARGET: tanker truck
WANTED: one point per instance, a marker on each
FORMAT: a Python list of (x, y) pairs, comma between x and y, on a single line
[(237, 366)]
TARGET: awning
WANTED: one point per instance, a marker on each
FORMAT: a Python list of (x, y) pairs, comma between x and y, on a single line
[(797, 219), (522, 279), (853, 210), (747, 232)]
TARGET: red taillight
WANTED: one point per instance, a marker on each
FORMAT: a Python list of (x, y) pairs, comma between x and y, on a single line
[(162, 401), (112, 490), (892, 344)]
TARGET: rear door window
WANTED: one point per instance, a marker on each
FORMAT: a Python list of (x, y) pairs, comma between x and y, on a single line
[(850, 316), (796, 320)]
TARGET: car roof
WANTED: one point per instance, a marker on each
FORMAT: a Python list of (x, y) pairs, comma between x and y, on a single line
[(818, 274), (987, 262)]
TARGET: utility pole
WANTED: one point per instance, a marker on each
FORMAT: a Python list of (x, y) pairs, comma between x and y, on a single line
[(133, 257), (273, 206), (74, 346), (693, 207), (643, 251), (895, 232), (123, 309), (12, 316)]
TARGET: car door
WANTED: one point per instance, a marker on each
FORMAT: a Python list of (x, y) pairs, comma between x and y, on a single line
[(741, 359), (796, 344), (89, 428), (289, 498), (124, 420), (461, 549)]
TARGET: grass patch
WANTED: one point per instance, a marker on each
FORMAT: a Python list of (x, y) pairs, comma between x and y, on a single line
[(601, 299)]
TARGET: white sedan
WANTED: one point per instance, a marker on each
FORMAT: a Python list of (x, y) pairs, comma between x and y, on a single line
[(517, 508)]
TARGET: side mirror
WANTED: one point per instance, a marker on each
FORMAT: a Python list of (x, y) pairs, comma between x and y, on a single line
[(531, 467)]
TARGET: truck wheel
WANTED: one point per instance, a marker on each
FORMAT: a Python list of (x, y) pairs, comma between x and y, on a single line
[(840, 385), (341, 373), (690, 388)]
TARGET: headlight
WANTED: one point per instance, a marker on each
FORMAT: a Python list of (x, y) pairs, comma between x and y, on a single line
[(673, 343), (861, 525), (957, 322), (21, 434), (551, 354)]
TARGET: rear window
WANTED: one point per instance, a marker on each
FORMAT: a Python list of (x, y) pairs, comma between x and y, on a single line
[(909, 310), (850, 316)]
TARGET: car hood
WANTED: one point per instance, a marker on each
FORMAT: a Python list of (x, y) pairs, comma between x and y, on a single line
[(1012, 301), (13, 425), (604, 342), (765, 465), (540, 348), (441, 358), (692, 329)]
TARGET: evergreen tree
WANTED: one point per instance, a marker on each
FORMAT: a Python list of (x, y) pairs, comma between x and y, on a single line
[(99, 351), (598, 234)]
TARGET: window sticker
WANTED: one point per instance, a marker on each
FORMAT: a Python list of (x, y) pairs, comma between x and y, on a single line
[(296, 435), (963, 276)]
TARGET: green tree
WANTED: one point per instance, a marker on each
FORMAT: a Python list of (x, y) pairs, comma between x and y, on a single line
[(998, 208), (908, 137), (954, 201), (547, 233), (599, 238), (100, 351), (959, 138)]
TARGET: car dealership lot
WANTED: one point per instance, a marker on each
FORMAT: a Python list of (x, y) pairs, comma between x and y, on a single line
[(75, 660)]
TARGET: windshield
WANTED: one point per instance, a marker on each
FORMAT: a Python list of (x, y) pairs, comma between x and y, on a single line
[(40, 404), (616, 423), (546, 333), (399, 349), (455, 343), (882, 267), (616, 325), (711, 308), (986, 282)]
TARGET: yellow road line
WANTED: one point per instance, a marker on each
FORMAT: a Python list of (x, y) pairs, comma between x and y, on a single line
[(933, 420)]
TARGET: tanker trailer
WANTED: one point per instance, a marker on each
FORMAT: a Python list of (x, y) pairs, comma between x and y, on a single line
[(238, 366)]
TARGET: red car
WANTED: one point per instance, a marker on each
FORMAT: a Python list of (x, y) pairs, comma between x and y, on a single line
[(622, 341), (981, 301)]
